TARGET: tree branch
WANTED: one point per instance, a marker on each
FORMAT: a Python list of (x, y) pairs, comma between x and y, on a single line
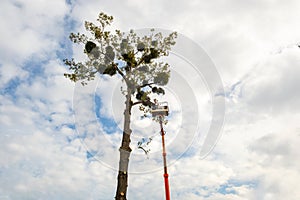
[(142, 58), (140, 102), (147, 84), (136, 103), (146, 152), (122, 74)]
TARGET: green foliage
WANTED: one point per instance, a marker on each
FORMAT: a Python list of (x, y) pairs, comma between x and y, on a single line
[(158, 90), (161, 78), (109, 54), (130, 60), (110, 70), (139, 95), (141, 46), (89, 46), (133, 57)]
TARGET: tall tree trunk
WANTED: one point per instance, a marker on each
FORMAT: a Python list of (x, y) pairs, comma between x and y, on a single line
[(125, 151)]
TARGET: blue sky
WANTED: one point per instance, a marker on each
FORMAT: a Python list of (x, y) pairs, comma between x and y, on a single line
[(60, 141)]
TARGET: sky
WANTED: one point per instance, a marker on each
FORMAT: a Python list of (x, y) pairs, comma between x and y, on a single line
[(59, 140)]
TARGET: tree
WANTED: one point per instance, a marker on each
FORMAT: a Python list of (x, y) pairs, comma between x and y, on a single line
[(136, 60)]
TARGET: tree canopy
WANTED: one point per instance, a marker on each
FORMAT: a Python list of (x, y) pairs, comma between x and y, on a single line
[(133, 57)]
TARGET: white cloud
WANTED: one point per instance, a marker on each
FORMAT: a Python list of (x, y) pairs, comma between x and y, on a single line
[(251, 42), (273, 84), (27, 30)]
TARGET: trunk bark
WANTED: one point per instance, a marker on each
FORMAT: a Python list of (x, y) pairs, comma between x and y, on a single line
[(125, 151)]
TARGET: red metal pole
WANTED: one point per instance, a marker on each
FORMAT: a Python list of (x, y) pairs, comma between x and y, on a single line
[(167, 189)]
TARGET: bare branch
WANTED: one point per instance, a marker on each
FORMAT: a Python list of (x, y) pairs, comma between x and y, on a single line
[(136, 103), (144, 85), (122, 74)]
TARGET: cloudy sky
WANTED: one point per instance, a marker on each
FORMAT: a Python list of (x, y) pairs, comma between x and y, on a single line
[(60, 141)]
